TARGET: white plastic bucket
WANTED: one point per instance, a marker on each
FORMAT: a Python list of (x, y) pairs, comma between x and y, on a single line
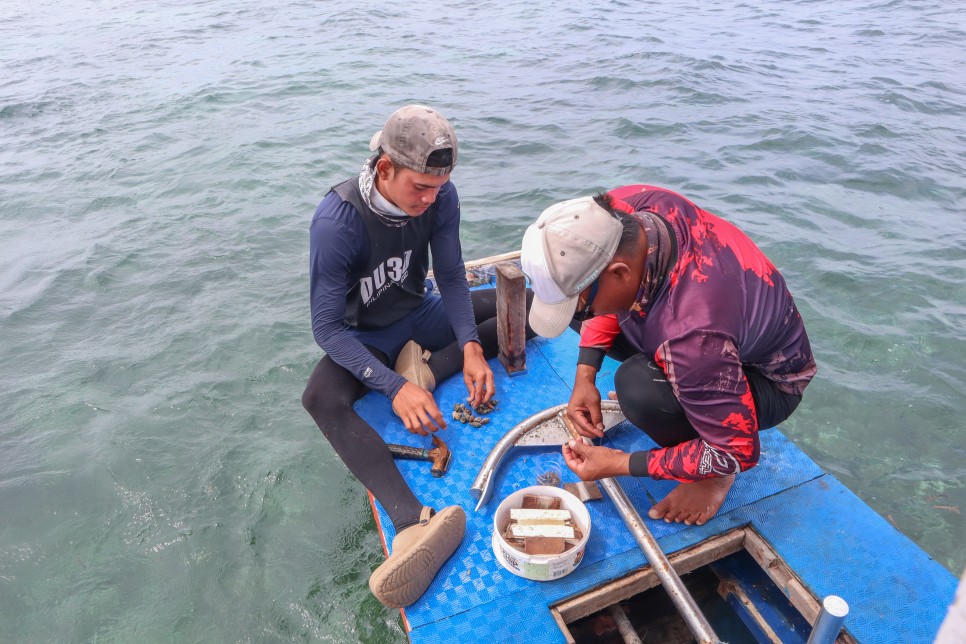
[(540, 567)]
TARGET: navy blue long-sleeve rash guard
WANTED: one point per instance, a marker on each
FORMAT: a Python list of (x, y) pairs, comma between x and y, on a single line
[(339, 245)]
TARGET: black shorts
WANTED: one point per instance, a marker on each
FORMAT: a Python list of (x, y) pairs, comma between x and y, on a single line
[(647, 400)]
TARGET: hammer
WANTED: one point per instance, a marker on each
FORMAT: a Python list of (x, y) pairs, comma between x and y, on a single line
[(439, 456)]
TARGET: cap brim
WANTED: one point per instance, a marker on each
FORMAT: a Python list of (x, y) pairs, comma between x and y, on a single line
[(550, 320), (374, 141)]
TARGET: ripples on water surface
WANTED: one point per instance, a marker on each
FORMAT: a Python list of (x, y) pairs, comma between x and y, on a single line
[(159, 166)]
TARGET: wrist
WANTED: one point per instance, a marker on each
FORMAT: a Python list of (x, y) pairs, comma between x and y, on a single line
[(620, 464), (586, 375), (395, 389), (472, 348)]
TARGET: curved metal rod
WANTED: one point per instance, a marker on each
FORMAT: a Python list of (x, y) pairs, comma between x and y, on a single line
[(482, 487)]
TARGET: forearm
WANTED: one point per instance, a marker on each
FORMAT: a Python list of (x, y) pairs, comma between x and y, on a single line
[(473, 348), (459, 308), (696, 460), (619, 464), (596, 338)]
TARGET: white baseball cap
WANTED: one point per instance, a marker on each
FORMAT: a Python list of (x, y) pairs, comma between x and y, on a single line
[(568, 247)]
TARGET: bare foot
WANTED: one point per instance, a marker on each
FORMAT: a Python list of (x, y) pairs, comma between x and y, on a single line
[(693, 503), (612, 395)]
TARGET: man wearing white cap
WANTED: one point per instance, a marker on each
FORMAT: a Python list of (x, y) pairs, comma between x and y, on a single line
[(712, 346), (369, 249)]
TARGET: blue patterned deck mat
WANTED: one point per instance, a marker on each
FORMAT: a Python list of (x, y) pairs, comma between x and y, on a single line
[(474, 597)]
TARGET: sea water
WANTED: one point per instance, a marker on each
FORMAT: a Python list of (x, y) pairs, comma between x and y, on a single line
[(159, 165)]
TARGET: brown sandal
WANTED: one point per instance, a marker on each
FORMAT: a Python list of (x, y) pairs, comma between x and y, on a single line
[(418, 552), (413, 365)]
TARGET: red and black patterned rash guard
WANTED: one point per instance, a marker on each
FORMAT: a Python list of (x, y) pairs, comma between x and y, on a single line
[(720, 306)]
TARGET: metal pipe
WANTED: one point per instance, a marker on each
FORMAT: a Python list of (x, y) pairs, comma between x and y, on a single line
[(829, 620), (482, 488), (682, 599), (624, 626)]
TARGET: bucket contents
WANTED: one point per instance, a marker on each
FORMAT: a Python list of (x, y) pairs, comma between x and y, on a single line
[(540, 502), (541, 530)]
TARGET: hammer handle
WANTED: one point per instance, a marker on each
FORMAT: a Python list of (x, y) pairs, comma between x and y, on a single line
[(412, 453)]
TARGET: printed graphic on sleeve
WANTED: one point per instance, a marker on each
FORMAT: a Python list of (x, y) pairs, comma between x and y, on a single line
[(715, 461)]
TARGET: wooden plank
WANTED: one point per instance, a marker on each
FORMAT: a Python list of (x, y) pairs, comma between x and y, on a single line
[(565, 532), (683, 562), (532, 517), (486, 261), (784, 578), (493, 259), (562, 625), (726, 588), (787, 581), (511, 317)]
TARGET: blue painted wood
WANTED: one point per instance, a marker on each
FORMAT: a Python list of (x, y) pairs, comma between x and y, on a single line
[(742, 571), (833, 542)]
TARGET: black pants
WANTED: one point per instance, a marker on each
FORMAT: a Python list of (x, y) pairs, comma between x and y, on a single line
[(648, 401), (331, 391)]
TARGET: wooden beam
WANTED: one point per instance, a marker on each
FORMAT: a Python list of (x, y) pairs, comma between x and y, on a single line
[(486, 261), (493, 259), (683, 562), (511, 317), (783, 577), (562, 625), (787, 581), (727, 588)]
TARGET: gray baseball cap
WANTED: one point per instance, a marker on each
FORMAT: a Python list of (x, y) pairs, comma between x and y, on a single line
[(411, 134), (568, 247)]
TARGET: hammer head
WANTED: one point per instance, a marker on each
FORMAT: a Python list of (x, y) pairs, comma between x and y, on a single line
[(440, 455)]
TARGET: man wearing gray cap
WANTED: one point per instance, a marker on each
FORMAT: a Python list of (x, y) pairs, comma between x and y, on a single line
[(369, 249), (712, 346)]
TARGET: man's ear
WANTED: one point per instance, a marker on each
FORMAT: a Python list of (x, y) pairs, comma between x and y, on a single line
[(384, 168), (619, 270)]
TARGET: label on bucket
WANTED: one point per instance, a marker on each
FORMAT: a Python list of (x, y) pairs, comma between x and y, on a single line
[(537, 570), (540, 570)]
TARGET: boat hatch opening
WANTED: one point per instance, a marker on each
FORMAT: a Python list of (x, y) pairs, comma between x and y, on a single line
[(741, 585)]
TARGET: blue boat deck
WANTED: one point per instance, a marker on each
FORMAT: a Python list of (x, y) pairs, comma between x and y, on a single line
[(832, 541)]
